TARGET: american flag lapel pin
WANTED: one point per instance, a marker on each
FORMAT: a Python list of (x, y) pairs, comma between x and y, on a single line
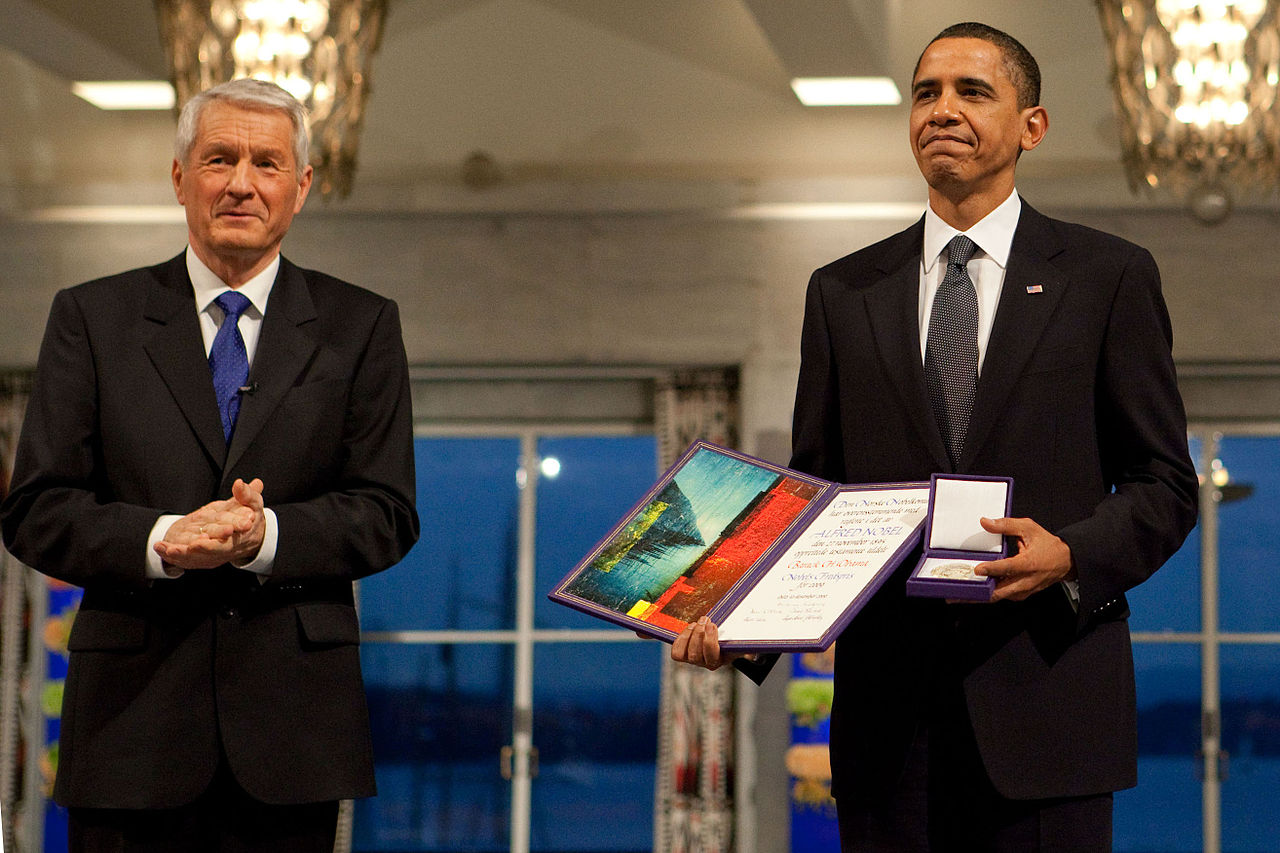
[(1035, 288)]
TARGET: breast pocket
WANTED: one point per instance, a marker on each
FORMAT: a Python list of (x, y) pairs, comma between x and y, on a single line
[(307, 426), (1072, 357), (321, 392)]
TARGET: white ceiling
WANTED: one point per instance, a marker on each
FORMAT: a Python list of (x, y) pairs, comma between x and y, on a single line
[(582, 103)]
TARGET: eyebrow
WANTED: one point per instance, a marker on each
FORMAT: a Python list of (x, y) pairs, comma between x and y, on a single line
[(221, 148), (976, 82)]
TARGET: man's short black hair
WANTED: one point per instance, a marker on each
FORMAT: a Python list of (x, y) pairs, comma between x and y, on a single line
[(1019, 64)]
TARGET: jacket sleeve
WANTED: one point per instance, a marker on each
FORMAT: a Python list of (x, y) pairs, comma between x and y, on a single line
[(58, 518), (1142, 438)]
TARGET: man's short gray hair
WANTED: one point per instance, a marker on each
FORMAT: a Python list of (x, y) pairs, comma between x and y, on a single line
[(252, 94)]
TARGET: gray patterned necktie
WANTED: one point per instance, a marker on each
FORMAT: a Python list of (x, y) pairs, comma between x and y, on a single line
[(951, 354)]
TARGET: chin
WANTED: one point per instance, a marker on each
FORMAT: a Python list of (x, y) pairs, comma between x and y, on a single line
[(940, 173), (949, 182), (239, 240)]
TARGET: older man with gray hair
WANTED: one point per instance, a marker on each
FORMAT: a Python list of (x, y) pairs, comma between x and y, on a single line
[(215, 448)]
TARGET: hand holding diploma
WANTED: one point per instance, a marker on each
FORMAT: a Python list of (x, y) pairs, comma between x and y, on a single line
[(699, 644)]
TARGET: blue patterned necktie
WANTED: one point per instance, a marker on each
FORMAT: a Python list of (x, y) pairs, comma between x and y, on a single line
[(228, 361), (951, 353)]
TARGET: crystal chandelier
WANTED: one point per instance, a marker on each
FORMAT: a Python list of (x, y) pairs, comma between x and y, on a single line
[(319, 50), (1196, 89)]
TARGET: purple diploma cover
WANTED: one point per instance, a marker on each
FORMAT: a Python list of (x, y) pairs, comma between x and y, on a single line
[(779, 560)]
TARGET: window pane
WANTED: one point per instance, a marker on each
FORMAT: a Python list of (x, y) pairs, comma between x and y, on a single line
[(1251, 737), (1249, 535), (440, 715), (1163, 814), (597, 480), (595, 725), (1170, 599), (462, 572)]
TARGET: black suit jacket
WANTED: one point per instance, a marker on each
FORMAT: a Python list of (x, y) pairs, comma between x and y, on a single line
[(1078, 402), (123, 426)]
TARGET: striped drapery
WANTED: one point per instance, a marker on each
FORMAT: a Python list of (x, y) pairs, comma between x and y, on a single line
[(694, 808)]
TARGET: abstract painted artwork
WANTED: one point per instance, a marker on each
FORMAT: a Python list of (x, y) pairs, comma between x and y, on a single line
[(705, 525)]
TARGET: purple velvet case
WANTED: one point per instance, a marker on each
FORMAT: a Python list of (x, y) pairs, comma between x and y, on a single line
[(948, 505)]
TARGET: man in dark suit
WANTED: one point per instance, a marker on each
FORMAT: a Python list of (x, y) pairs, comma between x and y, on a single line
[(1008, 725), (215, 472)]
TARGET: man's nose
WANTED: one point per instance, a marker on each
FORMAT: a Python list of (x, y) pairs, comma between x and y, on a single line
[(238, 181), (944, 109)]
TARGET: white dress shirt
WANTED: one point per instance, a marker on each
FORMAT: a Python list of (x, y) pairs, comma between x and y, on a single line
[(993, 235), (208, 287)]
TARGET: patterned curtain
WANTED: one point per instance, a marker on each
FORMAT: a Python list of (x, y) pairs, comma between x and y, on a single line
[(15, 387), (346, 827), (696, 719)]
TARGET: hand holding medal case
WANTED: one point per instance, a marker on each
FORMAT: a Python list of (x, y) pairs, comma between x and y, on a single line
[(954, 540)]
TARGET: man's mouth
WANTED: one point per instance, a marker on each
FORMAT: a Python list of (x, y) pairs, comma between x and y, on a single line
[(944, 138)]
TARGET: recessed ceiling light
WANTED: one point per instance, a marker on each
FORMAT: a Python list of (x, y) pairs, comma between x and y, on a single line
[(846, 91), (126, 94), (141, 214)]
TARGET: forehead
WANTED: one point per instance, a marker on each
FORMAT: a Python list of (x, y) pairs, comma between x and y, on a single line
[(974, 58), (222, 122)]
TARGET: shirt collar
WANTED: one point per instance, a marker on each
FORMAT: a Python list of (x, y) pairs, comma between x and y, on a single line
[(993, 233), (209, 287)]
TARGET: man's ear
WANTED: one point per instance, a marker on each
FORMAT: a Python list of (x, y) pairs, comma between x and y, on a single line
[(304, 187), (1035, 126)]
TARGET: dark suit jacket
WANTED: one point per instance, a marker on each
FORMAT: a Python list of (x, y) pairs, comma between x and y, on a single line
[(122, 426), (1078, 402)]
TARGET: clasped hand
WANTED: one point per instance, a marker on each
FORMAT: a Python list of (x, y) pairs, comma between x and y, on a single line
[(228, 531)]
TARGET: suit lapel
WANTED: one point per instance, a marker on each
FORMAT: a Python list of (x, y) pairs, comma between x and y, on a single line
[(1032, 289), (174, 345), (893, 306), (284, 350)]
